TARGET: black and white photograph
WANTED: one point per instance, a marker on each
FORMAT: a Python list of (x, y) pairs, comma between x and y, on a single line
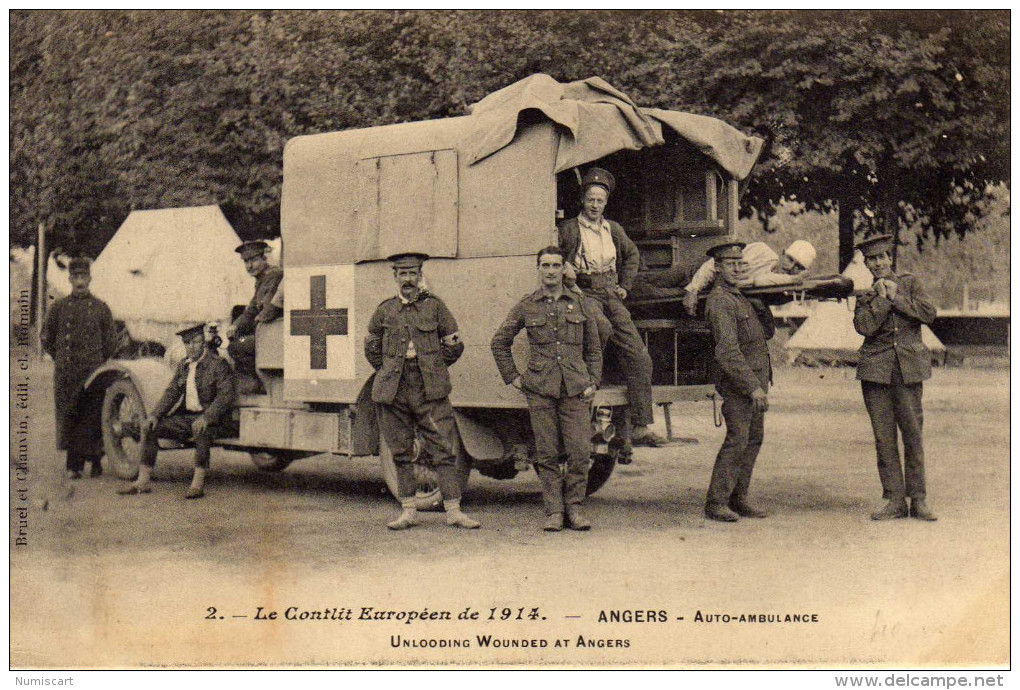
[(518, 339)]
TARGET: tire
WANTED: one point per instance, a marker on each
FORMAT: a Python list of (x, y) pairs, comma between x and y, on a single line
[(427, 495), (122, 403), (602, 466), (277, 460)]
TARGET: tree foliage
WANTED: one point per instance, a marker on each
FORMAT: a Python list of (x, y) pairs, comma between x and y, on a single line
[(898, 116), (903, 116)]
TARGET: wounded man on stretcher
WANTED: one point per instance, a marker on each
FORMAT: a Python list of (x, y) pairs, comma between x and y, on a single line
[(767, 276)]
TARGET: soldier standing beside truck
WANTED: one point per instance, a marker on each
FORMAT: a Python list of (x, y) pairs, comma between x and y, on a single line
[(606, 262), (742, 372), (564, 369), (79, 335), (412, 339), (892, 367)]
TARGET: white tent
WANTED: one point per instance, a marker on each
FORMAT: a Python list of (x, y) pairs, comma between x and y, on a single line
[(827, 336), (170, 267)]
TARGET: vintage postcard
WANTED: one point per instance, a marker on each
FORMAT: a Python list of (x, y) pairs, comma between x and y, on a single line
[(293, 386)]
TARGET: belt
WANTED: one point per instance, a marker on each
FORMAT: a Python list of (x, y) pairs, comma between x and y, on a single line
[(597, 280)]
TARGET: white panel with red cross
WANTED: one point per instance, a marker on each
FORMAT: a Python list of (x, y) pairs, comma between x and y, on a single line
[(319, 322)]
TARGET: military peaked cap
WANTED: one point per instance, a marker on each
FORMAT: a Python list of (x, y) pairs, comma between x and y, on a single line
[(727, 250), (408, 259), (875, 245), (600, 177), (253, 248), (189, 333), (79, 264)]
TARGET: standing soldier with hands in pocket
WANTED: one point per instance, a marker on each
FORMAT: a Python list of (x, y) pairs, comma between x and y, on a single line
[(564, 369)]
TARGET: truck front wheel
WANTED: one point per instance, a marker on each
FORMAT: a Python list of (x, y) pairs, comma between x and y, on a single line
[(123, 414), (427, 494)]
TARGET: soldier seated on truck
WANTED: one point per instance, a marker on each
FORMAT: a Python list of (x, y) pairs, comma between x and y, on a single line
[(260, 310), (196, 406)]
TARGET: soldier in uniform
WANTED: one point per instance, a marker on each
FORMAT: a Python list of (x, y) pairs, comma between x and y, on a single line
[(196, 406), (260, 310), (412, 339), (892, 365), (79, 335), (742, 372), (563, 372), (606, 263)]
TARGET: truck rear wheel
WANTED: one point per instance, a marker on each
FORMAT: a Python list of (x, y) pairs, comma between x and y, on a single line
[(277, 460), (427, 494), (123, 414), (602, 466), (271, 462)]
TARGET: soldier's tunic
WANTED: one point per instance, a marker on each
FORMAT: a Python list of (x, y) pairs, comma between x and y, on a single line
[(741, 365), (892, 364), (598, 281), (260, 310), (216, 393), (412, 385), (79, 335), (565, 359)]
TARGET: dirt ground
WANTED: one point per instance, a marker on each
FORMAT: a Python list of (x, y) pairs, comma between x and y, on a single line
[(110, 581)]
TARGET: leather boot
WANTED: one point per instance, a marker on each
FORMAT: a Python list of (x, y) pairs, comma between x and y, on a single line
[(720, 513), (741, 507), (552, 490), (408, 515), (197, 488), (455, 518), (894, 509), (920, 510), (553, 522), (141, 485), (575, 520)]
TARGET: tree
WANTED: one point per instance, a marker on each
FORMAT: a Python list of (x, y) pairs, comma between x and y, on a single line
[(901, 117)]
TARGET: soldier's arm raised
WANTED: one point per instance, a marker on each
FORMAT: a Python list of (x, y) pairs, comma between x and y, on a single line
[(913, 301), (870, 313)]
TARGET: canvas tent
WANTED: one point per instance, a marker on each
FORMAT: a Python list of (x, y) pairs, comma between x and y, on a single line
[(169, 267), (827, 336)]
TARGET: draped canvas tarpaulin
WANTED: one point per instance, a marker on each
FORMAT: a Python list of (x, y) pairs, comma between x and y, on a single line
[(596, 120)]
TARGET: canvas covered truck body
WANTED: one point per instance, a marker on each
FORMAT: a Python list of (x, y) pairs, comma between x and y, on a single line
[(480, 194)]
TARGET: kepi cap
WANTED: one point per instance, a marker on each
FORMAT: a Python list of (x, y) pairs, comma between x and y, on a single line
[(253, 248), (408, 259), (872, 246), (79, 264), (727, 250), (600, 177), (187, 334)]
